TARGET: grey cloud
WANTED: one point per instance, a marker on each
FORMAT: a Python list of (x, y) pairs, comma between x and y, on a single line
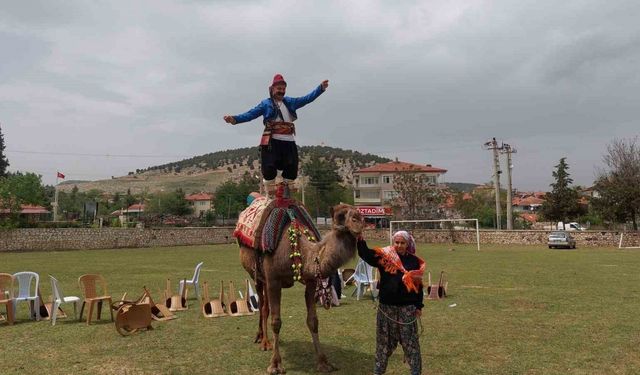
[(428, 82)]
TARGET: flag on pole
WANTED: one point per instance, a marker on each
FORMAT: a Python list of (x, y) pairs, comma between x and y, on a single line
[(60, 175)]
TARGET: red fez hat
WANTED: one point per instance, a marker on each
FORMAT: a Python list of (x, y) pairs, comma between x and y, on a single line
[(278, 78)]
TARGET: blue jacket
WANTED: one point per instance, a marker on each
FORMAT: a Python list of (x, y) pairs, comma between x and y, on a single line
[(265, 107)]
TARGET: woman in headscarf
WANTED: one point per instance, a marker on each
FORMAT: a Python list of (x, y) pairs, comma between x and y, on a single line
[(400, 299)]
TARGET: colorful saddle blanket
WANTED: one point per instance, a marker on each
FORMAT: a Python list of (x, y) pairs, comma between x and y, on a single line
[(251, 221), (261, 225)]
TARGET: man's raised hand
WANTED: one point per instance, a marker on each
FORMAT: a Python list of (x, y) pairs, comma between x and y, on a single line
[(325, 84), (230, 119)]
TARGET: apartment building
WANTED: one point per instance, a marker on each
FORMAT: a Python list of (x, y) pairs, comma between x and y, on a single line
[(373, 186)]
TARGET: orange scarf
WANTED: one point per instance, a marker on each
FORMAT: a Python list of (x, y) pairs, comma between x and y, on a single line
[(390, 261)]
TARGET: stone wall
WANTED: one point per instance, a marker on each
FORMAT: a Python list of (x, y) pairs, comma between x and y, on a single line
[(513, 237), (30, 239)]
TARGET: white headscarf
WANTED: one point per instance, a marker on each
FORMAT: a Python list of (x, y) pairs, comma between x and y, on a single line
[(411, 243)]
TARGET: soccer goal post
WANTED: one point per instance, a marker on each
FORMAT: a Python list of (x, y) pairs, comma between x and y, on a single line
[(629, 240), (440, 224)]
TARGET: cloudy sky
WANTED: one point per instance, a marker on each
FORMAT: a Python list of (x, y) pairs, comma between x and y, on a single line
[(99, 88)]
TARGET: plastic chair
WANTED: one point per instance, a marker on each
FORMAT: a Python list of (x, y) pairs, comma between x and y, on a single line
[(363, 277), (239, 307), (25, 280), (175, 302), (213, 308), (58, 299), (437, 291), (88, 285), (6, 296), (159, 311), (193, 281)]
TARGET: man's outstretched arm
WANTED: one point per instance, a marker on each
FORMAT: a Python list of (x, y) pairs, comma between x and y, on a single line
[(304, 100), (251, 114)]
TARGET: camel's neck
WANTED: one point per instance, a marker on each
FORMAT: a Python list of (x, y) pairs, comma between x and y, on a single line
[(335, 249)]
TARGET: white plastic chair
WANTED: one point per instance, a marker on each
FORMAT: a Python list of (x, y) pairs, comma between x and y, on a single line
[(24, 280), (363, 278), (59, 298), (193, 281)]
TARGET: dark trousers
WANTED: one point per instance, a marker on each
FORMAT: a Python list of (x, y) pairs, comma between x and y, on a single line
[(279, 156), (392, 327), (337, 284)]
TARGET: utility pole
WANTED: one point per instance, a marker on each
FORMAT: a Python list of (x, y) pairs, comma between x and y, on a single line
[(55, 201), (507, 149), (493, 145)]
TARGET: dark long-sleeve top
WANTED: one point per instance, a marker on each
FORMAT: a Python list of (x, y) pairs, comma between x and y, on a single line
[(392, 289)]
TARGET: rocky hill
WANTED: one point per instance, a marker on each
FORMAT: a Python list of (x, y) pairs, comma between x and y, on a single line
[(206, 172)]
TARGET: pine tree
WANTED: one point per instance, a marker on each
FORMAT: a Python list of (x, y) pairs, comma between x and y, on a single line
[(4, 162), (562, 202)]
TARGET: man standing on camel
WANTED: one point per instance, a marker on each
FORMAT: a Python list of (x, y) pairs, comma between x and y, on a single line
[(278, 150)]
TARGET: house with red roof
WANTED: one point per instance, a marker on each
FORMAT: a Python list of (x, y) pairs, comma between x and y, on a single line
[(137, 208), (373, 186), (32, 212), (528, 204), (200, 202)]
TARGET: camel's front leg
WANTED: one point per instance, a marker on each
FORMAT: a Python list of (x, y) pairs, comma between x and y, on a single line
[(312, 322), (274, 289), (262, 336)]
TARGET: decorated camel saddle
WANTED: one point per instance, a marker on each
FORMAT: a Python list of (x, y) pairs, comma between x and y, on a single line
[(261, 225)]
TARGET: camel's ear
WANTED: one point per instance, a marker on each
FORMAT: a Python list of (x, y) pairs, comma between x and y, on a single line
[(339, 214)]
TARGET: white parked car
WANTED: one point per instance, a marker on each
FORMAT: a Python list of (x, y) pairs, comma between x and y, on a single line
[(570, 226)]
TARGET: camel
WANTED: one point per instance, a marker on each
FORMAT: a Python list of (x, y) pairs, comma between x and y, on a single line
[(272, 272)]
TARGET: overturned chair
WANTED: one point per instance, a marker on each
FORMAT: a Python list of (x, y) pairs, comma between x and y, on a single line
[(437, 291), (213, 308), (159, 311), (239, 306), (175, 302), (132, 316)]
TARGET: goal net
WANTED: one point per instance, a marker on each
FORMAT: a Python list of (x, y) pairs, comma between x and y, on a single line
[(446, 231), (629, 240)]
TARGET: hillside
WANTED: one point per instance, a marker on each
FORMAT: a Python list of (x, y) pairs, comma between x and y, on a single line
[(206, 172)]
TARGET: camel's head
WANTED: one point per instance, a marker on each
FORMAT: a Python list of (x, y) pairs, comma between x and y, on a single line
[(347, 218)]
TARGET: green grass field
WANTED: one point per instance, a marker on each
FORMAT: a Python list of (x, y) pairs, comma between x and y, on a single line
[(519, 310)]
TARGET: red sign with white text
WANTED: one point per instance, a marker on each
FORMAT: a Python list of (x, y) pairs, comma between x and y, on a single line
[(374, 210)]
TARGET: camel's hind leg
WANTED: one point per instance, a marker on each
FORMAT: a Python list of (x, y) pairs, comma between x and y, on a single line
[(262, 336), (274, 289), (249, 260), (323, 364)]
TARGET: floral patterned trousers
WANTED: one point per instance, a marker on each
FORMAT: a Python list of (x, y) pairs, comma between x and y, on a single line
[(394, 326)]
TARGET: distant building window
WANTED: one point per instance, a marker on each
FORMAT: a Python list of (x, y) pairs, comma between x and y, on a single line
[(370, 194), (357, 192), (386, 179), (370, 181), (389, 194)]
